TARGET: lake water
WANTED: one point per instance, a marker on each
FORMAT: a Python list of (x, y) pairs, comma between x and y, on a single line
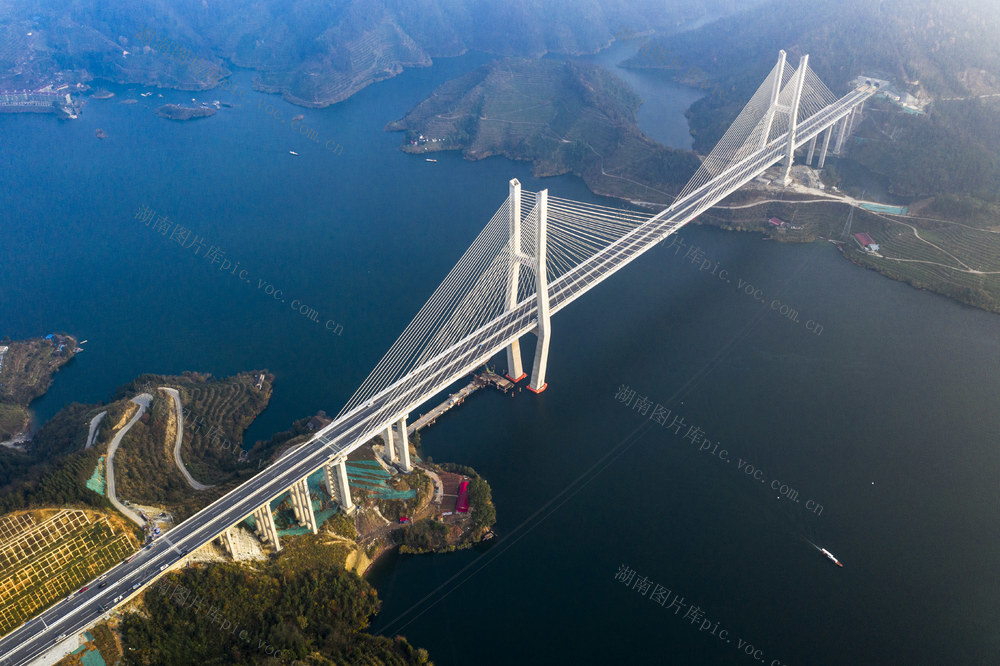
[(886, 418)]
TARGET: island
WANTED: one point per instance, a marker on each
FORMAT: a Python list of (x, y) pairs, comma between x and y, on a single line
[(563, 117), (26, 369), (178, 112)]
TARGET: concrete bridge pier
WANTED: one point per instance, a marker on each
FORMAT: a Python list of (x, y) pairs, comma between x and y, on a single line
[(812, 150), (840, 136), (390, 454), (826, 145), (336, 482), (266, 528), (302, 504), (403, 445), (227, 542)]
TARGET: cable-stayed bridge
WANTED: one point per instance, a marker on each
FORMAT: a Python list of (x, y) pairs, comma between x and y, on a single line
[(535, 256)]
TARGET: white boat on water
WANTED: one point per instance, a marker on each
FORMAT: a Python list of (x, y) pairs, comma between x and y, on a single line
[(427, 159), (292, 152)]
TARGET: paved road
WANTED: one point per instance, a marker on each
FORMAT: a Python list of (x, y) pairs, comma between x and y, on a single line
[(353, 429), (180, 439), (143, 401)]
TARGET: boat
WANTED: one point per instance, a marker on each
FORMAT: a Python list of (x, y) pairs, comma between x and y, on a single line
[(292, 152), (427, 159), (145, 94), (831, 557)]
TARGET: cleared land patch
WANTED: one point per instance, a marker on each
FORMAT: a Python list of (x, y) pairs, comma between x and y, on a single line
[(45, 555)]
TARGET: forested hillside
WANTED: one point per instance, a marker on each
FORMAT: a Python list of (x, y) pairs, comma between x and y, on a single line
[(313, 53)]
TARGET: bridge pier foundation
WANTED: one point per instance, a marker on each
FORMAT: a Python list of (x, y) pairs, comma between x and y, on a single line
[(336, 481), (302, 504), (266, 528), (812, 150)]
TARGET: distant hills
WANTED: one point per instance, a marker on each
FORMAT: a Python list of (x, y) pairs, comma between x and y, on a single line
[(949, 52), (950, 48), (564, 117), (313, 53)]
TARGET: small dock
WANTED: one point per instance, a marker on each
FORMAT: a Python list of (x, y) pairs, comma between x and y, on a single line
[(478, 381)]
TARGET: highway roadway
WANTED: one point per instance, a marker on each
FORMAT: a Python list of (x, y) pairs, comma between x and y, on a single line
[(83, 609)]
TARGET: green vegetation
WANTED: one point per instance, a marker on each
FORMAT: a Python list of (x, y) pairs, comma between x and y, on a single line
[(104, 641), (145, 472), (13, 420), (28, 366), (26, 373), (290, 609), (394, 508), (945, 164), (426, 536), (952, 151), (431, 535), (481, 504), (55, 469), (958, 260), (317, 54), (564, 117), (342, 525), (216, 413)]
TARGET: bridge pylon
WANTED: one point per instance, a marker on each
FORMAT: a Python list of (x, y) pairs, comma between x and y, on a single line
[(793, 117), (543, 328), (537, 263), (515, 371)]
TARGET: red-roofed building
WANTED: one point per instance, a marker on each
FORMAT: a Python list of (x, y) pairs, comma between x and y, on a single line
[(866, 242), (776, 221)]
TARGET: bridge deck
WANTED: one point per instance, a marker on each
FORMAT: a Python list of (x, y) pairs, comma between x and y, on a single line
[(359, 425)]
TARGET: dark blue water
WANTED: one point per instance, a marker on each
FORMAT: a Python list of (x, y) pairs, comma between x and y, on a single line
[(886, 418)]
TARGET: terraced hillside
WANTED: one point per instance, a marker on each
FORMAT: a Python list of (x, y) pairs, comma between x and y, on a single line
[(215, 414), (45, 555), (563, 117)]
